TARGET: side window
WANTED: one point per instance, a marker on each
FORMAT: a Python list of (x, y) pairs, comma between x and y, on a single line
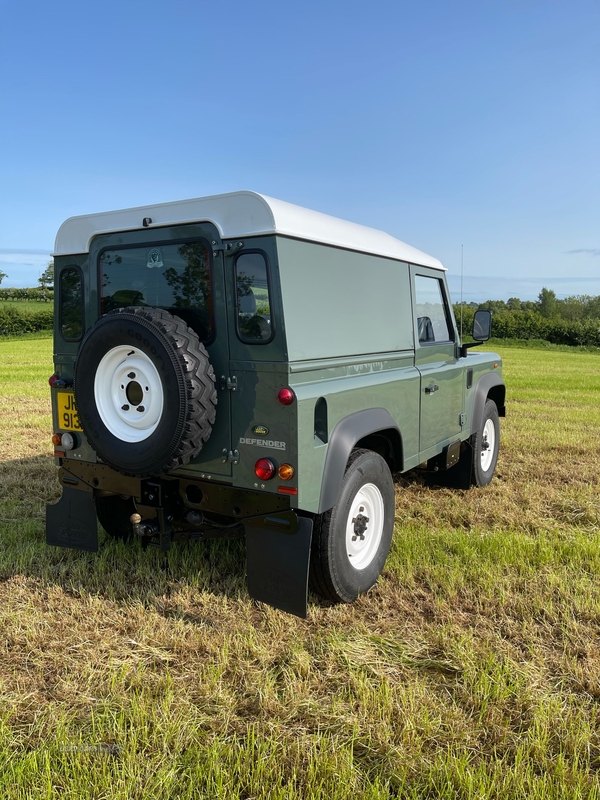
[(433, 323), (71, 303), (253, 299)]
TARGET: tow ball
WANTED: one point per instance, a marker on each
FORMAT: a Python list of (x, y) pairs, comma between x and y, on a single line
[(140, 528), (149, 529)]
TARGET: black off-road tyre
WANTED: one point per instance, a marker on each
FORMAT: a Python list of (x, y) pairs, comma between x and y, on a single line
[(486, 444), (186, 379), (114, 514), (332, 575)]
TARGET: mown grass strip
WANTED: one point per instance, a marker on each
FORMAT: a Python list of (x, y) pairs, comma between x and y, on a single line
[(471, 670)]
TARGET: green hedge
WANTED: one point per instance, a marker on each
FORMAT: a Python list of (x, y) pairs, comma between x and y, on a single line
[(532, 325), (37, 294), (15, 321)]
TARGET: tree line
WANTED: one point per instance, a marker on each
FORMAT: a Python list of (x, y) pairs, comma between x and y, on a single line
[(573, 309), (573, 320)]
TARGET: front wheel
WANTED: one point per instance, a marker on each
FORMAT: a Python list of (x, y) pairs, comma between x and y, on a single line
[(352, 540), (486, 445)]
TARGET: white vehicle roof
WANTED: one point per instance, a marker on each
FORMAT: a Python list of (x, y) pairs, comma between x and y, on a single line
[(239, 214)]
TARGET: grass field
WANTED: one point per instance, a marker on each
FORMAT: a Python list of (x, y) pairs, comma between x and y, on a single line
[(26, 305), (471, 670)]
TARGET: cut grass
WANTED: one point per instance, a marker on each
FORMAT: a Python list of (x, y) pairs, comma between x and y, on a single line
[(471, 670)]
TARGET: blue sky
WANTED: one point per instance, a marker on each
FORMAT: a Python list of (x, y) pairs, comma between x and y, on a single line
[(443, 123)]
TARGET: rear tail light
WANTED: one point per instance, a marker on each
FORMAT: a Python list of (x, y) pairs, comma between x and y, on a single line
[(52, 379), (264, 469), (285, 396), (66, 441)]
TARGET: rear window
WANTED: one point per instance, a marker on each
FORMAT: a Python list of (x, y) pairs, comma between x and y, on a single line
[(71, 303), (175, 277)]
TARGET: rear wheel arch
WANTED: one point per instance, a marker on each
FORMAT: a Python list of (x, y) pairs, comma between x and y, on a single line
[(388, 444), (372, 429)]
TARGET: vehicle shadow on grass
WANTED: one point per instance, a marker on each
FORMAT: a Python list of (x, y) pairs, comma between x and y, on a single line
[(120, 571)]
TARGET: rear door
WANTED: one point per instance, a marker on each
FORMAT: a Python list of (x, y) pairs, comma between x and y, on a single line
[(181, 270), (437, 362)]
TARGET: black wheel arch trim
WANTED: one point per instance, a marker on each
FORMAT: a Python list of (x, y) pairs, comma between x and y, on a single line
[(490, 382), (343, 439)]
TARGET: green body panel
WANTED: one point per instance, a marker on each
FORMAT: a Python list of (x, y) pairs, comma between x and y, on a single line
[(482, 363), (389, 381), (340, 303)]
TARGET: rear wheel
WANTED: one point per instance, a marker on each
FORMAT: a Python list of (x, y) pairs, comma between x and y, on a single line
[(114, 512), (352, 540)]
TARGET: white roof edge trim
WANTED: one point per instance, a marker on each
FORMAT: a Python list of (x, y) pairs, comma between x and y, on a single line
[(238, 214)]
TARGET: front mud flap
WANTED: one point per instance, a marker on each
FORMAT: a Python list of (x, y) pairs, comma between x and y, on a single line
[(277, 560), (72, 522)]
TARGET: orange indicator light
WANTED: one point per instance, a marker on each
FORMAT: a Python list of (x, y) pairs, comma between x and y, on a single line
[(285, 472)]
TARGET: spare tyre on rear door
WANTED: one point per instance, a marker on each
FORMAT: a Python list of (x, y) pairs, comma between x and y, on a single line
[(145, 391)]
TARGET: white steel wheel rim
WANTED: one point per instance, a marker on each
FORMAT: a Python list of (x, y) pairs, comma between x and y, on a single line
[(364, 527), (114, 389), (488, 445)]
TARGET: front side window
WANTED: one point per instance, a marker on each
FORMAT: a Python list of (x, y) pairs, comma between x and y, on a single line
[(71, 303), (254, 322), (432, 316), (175, 277)]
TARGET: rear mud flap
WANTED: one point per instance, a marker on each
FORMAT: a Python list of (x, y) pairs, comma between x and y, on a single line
[(72, 522), (277, 560)]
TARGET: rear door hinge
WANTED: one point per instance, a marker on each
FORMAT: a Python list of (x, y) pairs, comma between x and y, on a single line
[(229, 383), (231, 456), (463, 420), (229, 248)]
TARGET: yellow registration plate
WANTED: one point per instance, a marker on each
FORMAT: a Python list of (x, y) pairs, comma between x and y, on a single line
[(67, 413)]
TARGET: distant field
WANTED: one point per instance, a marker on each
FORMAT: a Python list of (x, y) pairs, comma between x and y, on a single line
[(29, 305), (472, 670)]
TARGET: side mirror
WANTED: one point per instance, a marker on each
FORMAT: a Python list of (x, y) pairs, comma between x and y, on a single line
[(482, 325), (482, 330)]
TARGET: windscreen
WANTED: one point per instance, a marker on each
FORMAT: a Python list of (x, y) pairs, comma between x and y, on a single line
[(175, 277)]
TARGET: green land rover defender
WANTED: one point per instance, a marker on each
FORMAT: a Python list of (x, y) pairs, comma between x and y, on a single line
[(237, 365)]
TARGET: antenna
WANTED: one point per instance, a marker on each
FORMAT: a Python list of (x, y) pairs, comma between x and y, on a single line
[(461, 289)]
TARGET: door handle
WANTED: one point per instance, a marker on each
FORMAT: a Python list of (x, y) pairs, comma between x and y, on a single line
[(433, 387)]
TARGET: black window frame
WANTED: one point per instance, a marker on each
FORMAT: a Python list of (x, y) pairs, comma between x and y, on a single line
[(445, 303), (60, 303), (262, 253), (163, 243)]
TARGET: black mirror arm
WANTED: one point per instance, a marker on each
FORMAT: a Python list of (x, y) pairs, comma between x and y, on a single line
[(464, 347)]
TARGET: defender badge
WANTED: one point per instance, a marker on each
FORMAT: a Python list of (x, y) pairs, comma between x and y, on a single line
[(154, 258), (260, 430)]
